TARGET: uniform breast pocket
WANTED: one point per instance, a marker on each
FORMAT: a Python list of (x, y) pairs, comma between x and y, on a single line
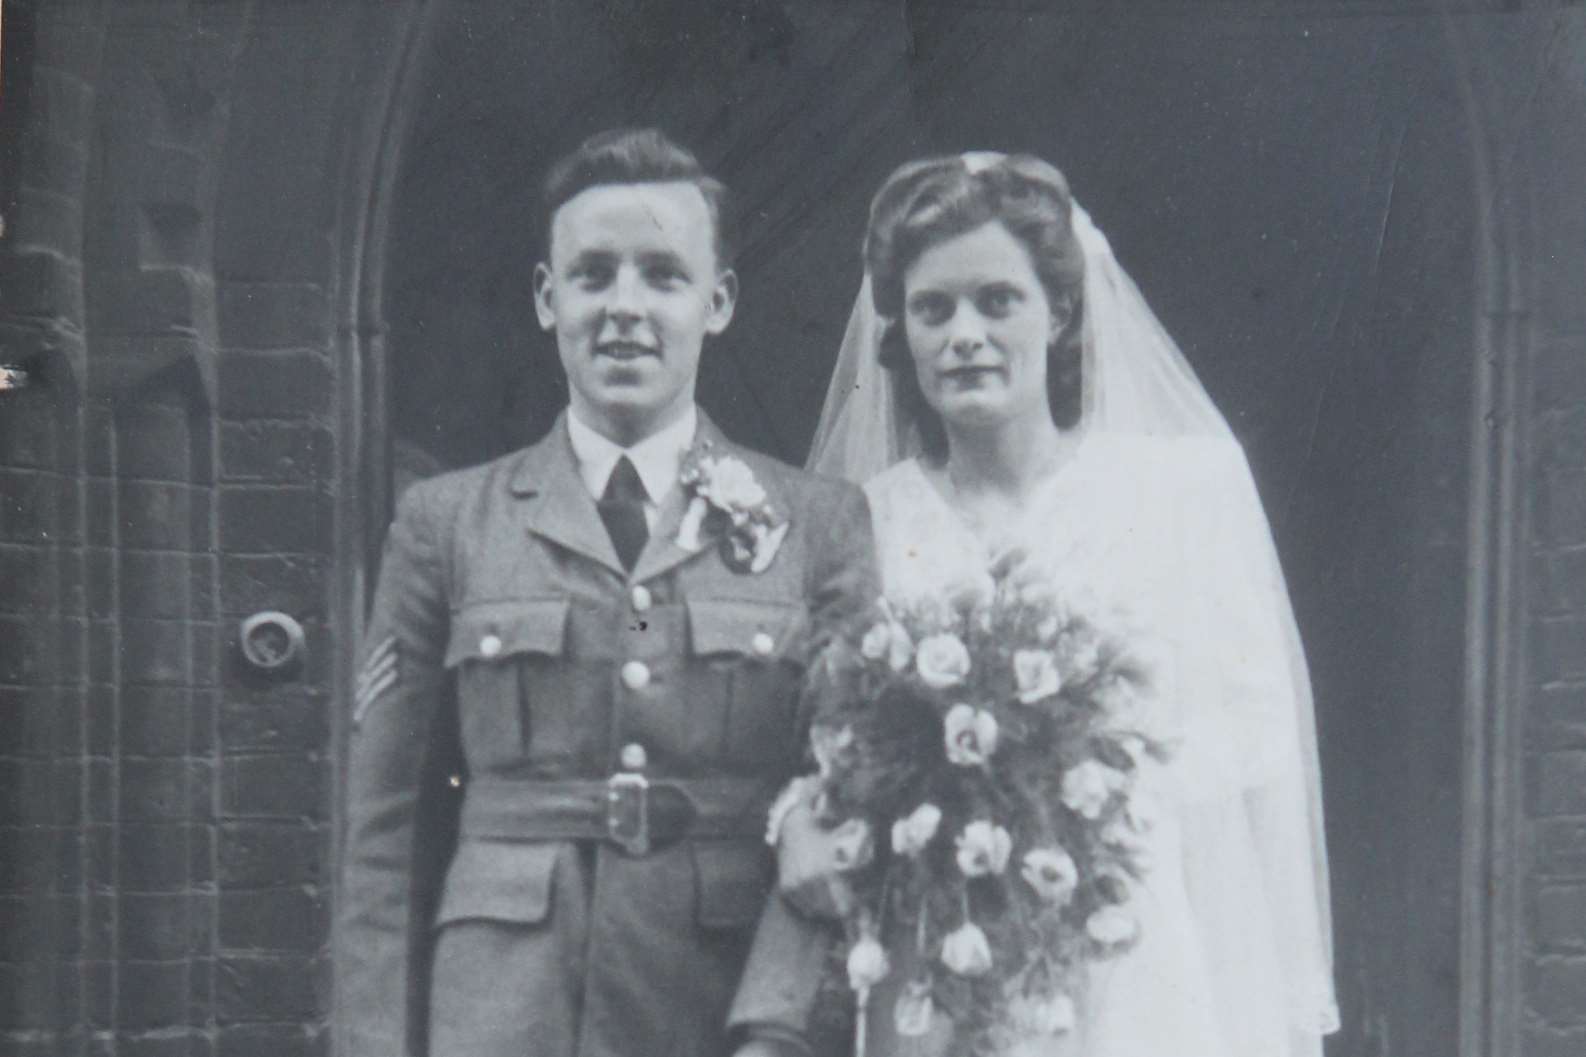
[(752, 658), (503, 653)]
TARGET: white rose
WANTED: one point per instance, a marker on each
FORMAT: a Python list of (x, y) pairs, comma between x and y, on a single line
[(867, 963), (1039, 1015), (730, 483), (966, 951), (852, 845), (1088, 787), (942, 660), (910, 835), (971, 735), (1052, 873), (1112, 926), (914, 1010), (983, 848), (1035, 672)]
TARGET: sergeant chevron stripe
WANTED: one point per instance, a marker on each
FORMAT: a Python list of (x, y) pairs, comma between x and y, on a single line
[(379, 674)]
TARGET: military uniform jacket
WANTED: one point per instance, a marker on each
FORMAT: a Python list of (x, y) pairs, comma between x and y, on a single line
[(507, 652)]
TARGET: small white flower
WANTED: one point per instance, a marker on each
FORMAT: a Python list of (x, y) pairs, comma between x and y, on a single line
[(852, 845), (1035, 672), (1052, 873), (1047, 629), (966, 951), (867, 963), (983, 848), (1039, 1015), (942, 661), (914, 1010), (877, 641), (1088, 787), (910, 835), (971, 735), (729, 483), (1112, 926)]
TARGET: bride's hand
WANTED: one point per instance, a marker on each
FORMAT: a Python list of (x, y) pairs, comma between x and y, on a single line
[(808, 859)]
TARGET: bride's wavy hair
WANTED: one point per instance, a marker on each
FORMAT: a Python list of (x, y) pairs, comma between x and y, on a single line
[(929, 201)]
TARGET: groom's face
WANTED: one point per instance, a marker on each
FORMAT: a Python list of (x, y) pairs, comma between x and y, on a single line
[(631, 290)]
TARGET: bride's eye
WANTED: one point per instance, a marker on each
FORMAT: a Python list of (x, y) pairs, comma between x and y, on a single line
[(932, 309), (997, 301)]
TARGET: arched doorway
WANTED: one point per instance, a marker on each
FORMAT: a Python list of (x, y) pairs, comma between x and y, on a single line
[(1314, 262)]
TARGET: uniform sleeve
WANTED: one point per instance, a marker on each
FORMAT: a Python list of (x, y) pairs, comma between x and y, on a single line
[(844, 581), (782, 979), (393, 768)]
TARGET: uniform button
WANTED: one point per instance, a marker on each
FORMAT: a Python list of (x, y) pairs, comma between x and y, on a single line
[(762, 644), (490, 645), (641, 598), (636, 675), (634, 757)]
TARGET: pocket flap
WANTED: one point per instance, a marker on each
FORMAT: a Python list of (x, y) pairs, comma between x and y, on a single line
[(492, 630), (733, 879), (741, 626), (499, 881)]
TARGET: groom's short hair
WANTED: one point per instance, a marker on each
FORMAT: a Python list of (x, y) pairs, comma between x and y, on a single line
[(637, 156)]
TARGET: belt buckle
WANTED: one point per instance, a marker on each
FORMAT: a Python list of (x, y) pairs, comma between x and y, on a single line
[(628, 812)]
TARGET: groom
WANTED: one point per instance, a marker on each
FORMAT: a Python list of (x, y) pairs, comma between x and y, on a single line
[(579, 683)]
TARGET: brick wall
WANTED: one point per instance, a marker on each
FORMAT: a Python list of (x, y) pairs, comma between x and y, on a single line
[(1555, 975), (174, 259)]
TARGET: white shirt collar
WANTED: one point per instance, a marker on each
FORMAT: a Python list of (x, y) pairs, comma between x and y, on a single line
[(658, 457)]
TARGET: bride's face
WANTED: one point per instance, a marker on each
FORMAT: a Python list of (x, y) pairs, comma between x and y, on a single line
[(978, 323)]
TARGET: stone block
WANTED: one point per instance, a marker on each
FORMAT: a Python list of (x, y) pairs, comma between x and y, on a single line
[(262, 988), (281, 919), (273, 316), (1560, 783), (281, 786), (293, 584), (155, 857), (1559, 648), (284, 452), (151, 995), (277, 717), (1556, 988), (1560, 917), (286, 385), (262, 854), (274, 520)]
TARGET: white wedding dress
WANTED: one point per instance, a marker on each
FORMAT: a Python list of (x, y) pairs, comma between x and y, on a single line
[(1134, 527)]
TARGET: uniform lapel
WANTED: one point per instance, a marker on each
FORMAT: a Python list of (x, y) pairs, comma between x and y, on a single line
[(558, 507), (662, 553)]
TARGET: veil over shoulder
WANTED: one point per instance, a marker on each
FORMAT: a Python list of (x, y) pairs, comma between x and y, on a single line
[(1138, 384)]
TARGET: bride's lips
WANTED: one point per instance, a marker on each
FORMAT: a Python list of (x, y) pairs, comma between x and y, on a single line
[(970, 373)]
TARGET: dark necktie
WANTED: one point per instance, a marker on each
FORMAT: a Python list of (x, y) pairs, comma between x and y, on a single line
[(622, 509)]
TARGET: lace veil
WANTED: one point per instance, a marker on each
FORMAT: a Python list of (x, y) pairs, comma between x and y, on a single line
[(1137, 382)]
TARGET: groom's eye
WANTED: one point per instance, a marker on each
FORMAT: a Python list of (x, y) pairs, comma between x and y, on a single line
[(593, 275), (665, 274)]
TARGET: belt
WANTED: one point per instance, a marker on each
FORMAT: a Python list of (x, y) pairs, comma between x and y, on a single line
[(631, 811)]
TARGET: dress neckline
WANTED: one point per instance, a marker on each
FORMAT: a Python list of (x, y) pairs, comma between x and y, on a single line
[(1039, 499)]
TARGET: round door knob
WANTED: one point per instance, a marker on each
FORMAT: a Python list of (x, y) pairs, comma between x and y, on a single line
[(272, 642)]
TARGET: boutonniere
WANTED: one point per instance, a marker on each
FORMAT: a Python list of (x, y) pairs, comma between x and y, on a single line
[(725, 497)]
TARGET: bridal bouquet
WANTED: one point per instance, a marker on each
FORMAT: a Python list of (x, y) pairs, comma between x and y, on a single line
[(978, 759)]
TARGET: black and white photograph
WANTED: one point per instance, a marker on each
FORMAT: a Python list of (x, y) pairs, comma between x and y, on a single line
[(792, 528)]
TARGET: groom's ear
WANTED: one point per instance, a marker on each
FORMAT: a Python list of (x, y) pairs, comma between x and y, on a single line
[(544, 305), (723, 299)]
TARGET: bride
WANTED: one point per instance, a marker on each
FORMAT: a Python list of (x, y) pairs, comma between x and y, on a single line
[(1012, 404)]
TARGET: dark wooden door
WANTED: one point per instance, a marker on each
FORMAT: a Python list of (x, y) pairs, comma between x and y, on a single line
[(1290, 191)]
